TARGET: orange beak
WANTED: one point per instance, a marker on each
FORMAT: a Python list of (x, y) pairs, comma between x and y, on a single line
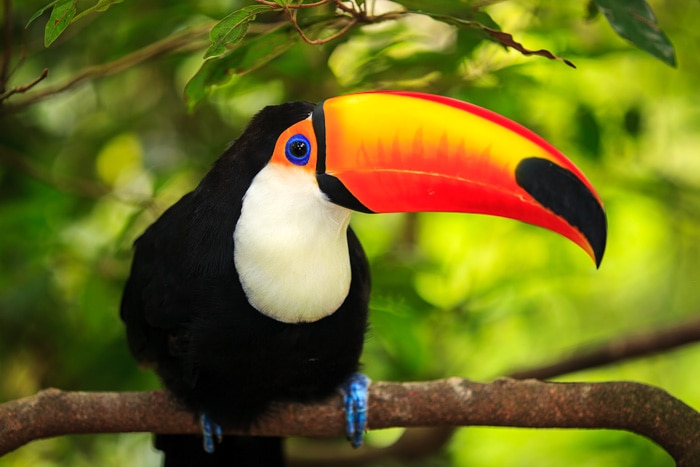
[(412, 152)]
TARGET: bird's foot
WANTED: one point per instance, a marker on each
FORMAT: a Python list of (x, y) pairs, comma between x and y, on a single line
[(355, 393), (211, 432)]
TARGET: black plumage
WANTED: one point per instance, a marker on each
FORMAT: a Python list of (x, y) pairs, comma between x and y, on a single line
[(276, 205), (186, 312)]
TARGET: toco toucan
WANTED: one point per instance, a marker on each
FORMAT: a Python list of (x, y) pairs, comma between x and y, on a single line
[(253, 288)]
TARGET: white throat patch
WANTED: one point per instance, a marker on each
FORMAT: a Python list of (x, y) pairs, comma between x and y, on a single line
[(290, 247)]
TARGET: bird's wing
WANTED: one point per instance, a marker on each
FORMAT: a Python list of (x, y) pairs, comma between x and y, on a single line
[(155, 304)]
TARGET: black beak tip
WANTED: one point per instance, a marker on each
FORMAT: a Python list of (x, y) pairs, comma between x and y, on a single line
[(599, 240), (559, 190)]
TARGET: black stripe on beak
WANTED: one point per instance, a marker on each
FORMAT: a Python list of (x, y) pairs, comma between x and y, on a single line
[(318, 120), (560, 191)]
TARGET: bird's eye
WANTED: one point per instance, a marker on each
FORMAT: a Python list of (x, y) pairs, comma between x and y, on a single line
[(298, 150)]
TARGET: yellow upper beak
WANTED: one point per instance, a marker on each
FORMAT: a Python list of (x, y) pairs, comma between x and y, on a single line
[(411, 152)]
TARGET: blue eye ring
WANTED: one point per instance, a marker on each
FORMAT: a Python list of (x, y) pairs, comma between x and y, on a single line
[(298, 150)]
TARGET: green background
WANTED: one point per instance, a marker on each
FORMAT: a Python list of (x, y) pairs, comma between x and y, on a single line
[(83, 172)]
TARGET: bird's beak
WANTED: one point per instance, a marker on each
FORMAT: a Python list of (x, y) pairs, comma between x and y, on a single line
[(411, 152)]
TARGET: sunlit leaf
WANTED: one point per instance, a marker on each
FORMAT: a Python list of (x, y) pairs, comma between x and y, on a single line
[(64, 13), (635, 21), (61, 16), (494, 34), (122, 154), (232, 29), (419, 67), (467, 18), (247, 57), (443, 7)]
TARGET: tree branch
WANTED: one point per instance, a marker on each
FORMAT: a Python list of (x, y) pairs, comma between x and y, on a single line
[(639, 408), (606, 353), (618, 350), (162, 47)]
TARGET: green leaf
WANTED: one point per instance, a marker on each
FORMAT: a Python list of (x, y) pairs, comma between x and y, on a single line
[(103, 5), (477, 23), (99, 7), (443, 7), (61, 16), (41, 12), (64, 13), (247, 57), (232, 29), (635, 21), (451, 12)]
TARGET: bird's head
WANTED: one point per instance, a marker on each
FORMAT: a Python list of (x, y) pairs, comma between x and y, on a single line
[(382, 152)]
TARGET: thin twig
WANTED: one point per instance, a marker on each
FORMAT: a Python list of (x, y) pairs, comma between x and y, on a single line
[(7, 53), (291, 11), (25, 87), (619, 350), (294, 6), (162, 47), (341, 6), (325, 40), (356, 14)]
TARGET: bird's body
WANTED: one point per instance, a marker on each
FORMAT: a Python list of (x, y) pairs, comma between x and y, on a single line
[(253, 289), (214, 350), (186, 311)]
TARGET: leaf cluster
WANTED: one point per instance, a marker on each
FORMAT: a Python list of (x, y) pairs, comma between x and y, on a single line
[(233, 52)]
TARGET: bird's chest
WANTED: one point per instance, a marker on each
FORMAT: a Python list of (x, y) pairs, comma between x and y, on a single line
[(290, 250)]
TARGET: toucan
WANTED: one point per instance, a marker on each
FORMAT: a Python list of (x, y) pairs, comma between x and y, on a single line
[(253, 289)]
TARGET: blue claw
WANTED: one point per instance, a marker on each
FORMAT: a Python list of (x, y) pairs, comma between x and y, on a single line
[(210, 430), (355, 394)]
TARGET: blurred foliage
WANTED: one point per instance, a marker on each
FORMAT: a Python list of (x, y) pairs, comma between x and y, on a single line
[(84, 171)]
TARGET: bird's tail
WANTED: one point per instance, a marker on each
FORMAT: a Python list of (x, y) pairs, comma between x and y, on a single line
[(239, 451)]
